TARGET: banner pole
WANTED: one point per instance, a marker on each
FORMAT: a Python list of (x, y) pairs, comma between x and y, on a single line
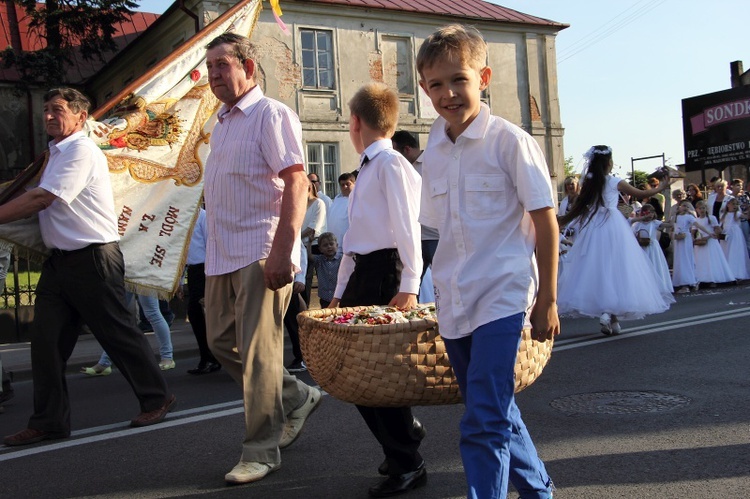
[(178, 52)]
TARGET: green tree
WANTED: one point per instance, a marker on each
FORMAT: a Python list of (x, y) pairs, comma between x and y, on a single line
[(640, 178), (568, 167), (86, 26)]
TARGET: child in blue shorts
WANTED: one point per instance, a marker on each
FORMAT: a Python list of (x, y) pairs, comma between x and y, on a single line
[(486, 188)]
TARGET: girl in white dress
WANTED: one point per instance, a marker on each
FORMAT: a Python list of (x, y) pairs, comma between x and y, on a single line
[(607, 275), (710, 263), (683, 258), (645, 226), (734, 243)]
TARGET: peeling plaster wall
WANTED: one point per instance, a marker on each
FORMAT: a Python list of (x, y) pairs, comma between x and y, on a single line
[(278, 65)]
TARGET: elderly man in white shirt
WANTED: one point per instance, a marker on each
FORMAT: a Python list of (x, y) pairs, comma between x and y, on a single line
[(83, 279)]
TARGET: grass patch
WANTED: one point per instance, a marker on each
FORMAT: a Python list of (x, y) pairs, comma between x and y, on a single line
[(27, 282)]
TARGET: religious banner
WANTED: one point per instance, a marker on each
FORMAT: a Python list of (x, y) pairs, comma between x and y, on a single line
[(155, 135)]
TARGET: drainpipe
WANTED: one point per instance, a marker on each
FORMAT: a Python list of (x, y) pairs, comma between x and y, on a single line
[(191, 14)]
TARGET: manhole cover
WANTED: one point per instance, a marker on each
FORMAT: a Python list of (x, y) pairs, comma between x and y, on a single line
[(619, 402)]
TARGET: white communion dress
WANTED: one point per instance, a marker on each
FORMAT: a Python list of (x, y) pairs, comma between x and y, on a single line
[(735, 247), (606, 270), (654, 253), (710, 263)]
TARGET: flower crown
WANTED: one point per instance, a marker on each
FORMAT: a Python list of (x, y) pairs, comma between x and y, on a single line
[(588, 156)]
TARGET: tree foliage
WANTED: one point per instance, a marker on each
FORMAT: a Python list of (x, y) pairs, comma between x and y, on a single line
[(568, 167), (67, 26), (637, 178)]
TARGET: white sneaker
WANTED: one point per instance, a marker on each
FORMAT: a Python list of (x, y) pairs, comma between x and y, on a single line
[(296, 419), (605, 322), (246, 472)]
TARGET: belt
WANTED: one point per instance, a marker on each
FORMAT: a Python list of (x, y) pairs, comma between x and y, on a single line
[(383, 255), (60, 252)]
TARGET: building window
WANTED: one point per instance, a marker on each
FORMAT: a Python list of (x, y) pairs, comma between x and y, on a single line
[(398, 69), (322, 160), (317, 59)]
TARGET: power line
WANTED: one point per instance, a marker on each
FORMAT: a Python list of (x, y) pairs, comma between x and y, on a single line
[(606, 25), (569, 52)]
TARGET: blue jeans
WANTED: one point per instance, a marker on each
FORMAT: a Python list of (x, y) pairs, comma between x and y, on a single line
[(495, 444), (150, 307)]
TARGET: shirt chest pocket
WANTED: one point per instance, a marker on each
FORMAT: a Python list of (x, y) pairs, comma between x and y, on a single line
[(484, 195), (438, 190)]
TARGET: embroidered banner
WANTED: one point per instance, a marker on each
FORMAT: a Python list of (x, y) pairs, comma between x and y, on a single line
[(156, 142)]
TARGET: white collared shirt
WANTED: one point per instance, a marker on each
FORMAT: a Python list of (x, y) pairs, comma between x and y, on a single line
[(252, 142), (337, 219), (84, 211), (315, 218), (326, 200), (477, 193), (428, 233), (197, 249), (383, 210)]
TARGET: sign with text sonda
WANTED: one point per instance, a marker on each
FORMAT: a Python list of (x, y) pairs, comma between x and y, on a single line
[(716, 129)]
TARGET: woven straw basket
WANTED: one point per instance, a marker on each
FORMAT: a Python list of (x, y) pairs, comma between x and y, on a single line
[(393, 365)]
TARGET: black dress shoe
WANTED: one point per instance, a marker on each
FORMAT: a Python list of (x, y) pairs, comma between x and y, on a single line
[(418, 432), (198, 369), (400, 484), (205, 368)]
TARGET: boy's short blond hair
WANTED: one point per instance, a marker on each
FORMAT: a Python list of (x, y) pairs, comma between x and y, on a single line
[(377, 106), (455, 43)]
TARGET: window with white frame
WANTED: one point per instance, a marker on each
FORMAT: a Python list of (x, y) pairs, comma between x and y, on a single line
[(398, 69), (317, 59), (322, 160)]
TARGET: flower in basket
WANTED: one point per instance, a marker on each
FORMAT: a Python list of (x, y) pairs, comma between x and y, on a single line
[(378, 315)]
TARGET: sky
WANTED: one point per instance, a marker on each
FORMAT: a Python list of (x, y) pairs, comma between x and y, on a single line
[(625, 65)]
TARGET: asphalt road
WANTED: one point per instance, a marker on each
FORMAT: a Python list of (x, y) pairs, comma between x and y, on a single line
[(661, 411)]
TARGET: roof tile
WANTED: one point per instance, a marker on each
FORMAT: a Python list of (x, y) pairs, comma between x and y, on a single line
[(472, 9)]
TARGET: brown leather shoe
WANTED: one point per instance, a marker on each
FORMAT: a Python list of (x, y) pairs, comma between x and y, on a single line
[(32, 436), (155, 416)]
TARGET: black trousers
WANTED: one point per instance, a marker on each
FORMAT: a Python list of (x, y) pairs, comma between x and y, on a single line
[(296, 305), (86, 286), (375, 281), (429, 246), (196, 275)]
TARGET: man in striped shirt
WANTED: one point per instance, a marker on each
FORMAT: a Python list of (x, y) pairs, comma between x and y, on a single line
[(256, 197)]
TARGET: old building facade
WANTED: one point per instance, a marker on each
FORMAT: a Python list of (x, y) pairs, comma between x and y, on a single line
[(335, 46)]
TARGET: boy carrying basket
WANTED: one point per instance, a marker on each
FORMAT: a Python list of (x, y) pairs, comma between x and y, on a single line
[(382, 263), (486, 188)]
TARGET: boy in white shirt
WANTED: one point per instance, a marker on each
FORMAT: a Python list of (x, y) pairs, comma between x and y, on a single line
[(486, 189), (382, 263)]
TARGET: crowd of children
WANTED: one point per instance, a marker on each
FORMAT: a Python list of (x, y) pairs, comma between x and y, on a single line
[(704, 249)]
